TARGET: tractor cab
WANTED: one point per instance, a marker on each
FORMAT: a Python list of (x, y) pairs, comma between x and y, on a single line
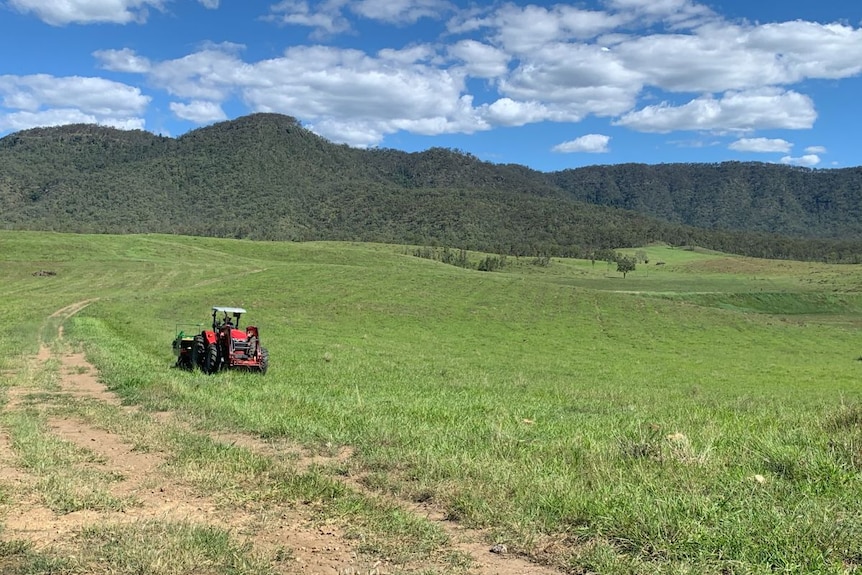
[(230, 317), (228, 325)]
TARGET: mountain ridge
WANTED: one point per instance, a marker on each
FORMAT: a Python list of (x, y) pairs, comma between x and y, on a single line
[(264, 176)]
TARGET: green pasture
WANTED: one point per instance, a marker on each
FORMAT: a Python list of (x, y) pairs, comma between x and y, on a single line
[(702, 415)]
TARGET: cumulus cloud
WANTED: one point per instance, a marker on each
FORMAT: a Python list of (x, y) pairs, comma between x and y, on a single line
[(676, 13), (358, 134), (401, 11), (212, 74), (808, 160), (63, 116), (96, 96), (508, 112), (761, 145), (590, 143), (370, 131), (480, 60), (200, 112), (734, 111), (345, 95), (578, 63), (329, 17), (124, 60), (43, 100), (651, 65), (325, 18), (714, 60), (815, 150), (407, 56), (578, 78), (810, 49), (320, 79), (524, 29), (719, 56), (88, 11)]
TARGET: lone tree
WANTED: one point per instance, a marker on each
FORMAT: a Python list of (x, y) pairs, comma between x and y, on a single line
[(625, 265)]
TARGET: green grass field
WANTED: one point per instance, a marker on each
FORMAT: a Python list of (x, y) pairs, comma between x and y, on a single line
[(699, 416)]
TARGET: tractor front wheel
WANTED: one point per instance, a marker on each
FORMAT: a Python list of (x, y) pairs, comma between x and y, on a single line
[(199, 352), (264, 359), (211, 360)]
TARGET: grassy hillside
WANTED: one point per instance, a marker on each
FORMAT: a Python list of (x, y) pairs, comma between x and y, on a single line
[(702, 415)]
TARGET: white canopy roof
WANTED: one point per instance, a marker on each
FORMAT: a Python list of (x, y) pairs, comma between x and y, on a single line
[(228, 309)]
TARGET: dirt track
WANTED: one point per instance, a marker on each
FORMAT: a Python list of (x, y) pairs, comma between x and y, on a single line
[(315, 547)]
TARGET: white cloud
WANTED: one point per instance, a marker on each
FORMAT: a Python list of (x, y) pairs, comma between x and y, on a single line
[(696, 143), (60, 13), (761, 145), (815, 150), (358, 134), (576, 78), (328, 17), (124, 60), (458, 117), (401, 11), (558, 63), (43, 100), (719, 56), (677, 13), (96, 96), (809, 49), (410, 55), (61, 117), (577, 62), (508, 112), (200, 112), (325, 17), (714, 60), (568, 63), (591, 143), (63, 12), (330, 87), (735, 111), (524, 29), (212, 74), (808, 160), (480, 60), (370, 132)]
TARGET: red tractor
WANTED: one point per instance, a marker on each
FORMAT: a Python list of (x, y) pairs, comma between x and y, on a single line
[(226, 346)]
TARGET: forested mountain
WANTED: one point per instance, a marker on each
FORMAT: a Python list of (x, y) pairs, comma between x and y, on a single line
[(733, 195), (266, 177)]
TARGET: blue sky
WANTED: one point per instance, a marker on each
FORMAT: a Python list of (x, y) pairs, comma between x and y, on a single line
[(544, 84)]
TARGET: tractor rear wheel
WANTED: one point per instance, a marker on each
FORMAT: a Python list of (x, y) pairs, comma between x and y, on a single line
[(264, 359), (211, 360)]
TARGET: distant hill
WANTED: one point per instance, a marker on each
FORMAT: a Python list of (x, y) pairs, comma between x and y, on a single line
[(264, 176), (732, 195)]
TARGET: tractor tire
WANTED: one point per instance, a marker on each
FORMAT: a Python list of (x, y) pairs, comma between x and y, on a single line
[(211, 360), (264, 359), (199, 352)]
